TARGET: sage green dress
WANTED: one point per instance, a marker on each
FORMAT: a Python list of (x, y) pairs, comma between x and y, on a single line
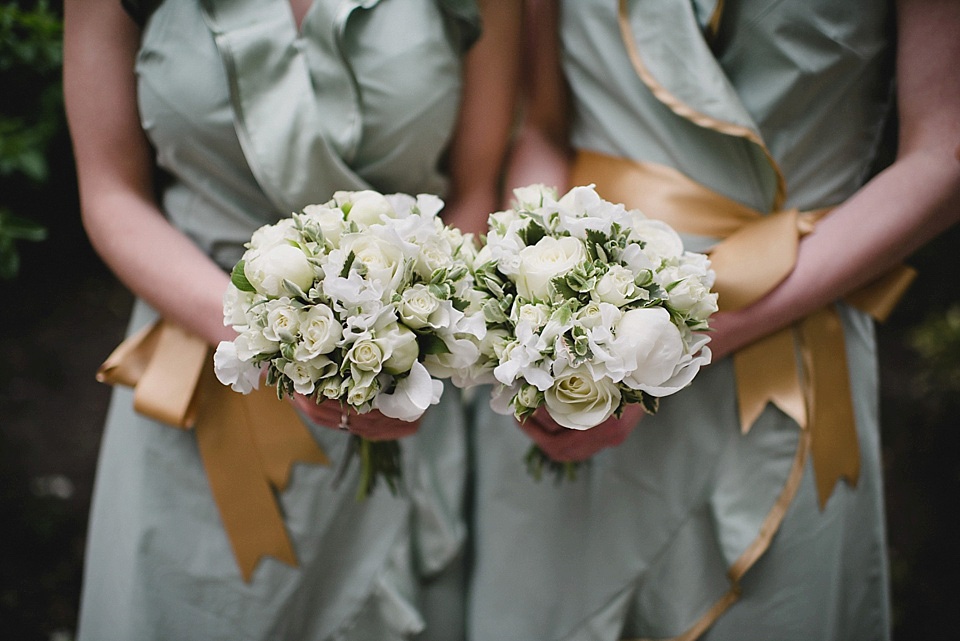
[(640, 546), (252, 120)]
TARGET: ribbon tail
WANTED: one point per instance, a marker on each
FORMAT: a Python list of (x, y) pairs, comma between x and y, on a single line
[(765, 373), (240, 485), (833, 432), (282, 438), (129, 359), (878, 298)]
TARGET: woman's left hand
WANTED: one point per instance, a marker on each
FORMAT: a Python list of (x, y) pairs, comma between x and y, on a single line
[(372, 425), (565, 445)]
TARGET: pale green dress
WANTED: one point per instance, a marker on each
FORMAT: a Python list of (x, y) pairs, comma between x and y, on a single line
[(641, 544), (252, 120)]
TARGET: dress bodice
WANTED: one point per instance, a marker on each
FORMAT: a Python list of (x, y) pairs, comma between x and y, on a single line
[(253, 118), (811, 78)]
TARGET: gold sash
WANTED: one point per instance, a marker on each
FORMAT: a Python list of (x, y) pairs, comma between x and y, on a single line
[(755, 254), (248, 444)]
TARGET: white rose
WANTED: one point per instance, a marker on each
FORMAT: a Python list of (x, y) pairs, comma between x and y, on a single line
[(529, 397), (366, 356), (358, 395), (364, 207), (400, 349), (596, 314), (304, 375), (416, 305), (383, 260), (693, 299), (534, 314), (433, 254), (267, 269), (283, 321), (331, 387), (578, 402), (616, 287), (541, 263), (320, 332), (661, 241), (650, 346), (330, 221)]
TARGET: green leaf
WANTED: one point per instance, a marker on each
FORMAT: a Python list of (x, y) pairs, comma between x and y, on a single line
[(239, 278), (431, 344)]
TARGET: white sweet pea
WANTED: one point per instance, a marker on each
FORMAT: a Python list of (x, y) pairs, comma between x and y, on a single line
[(541, 263), (412, 396), (650, 346), (266, 269), (320, 332), (253, 343), (533, 196), (617, 287), (329, 220), (236, 304), (579, 402), (365, 207), (241, 375)]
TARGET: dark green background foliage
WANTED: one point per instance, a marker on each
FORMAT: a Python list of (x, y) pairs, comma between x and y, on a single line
[(62, 312)]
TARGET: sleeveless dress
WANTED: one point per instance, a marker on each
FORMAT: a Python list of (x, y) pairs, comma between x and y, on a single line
[(251, 120), (645, 542)]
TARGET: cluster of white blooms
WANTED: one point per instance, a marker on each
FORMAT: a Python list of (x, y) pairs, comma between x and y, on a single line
[(363, 299), (588, 306)]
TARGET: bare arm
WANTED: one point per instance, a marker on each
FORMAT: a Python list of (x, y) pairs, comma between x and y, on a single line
[(482, 135), (114, 169), (900, 209), (541, 153)]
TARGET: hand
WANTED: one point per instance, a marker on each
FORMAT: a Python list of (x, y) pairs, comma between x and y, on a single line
[(373, 426), (565, 445)]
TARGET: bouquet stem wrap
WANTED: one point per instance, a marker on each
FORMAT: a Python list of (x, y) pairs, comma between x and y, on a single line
[(248, 444), (755, 254)]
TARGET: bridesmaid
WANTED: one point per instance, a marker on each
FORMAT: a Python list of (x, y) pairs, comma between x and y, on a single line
[(251, 109), (726, 516)]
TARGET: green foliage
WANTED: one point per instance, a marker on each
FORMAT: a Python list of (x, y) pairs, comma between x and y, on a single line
[(937, 340), (31, 54)]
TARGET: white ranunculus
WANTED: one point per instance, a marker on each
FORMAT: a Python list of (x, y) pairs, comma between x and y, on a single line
[(650, 347), (329, 220), (579, 402), (399, 346), (365, 207), (280, 233), (366, 356), (283, 321), (541, 263), (412, 396), (416, 306), (320, 332), (241, 375), (616, 287), (266, 269), (662, 242)]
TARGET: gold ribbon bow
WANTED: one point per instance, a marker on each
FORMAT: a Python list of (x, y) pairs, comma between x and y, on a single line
[(248, 444), (757, 252)]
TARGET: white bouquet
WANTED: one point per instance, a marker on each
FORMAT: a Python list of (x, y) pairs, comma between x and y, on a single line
[(588, 307), (359, 300)]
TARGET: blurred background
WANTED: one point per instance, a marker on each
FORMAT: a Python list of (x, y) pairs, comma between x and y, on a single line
[(61, 312)]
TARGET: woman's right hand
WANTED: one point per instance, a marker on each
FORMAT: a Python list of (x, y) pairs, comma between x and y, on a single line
[(373, 426), (565, 445)]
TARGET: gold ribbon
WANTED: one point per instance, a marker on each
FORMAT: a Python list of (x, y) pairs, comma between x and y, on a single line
[(248, 444), (757, 252)]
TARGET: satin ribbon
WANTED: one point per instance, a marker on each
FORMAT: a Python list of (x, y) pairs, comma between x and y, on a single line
[(248, 444), (755, 254)]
